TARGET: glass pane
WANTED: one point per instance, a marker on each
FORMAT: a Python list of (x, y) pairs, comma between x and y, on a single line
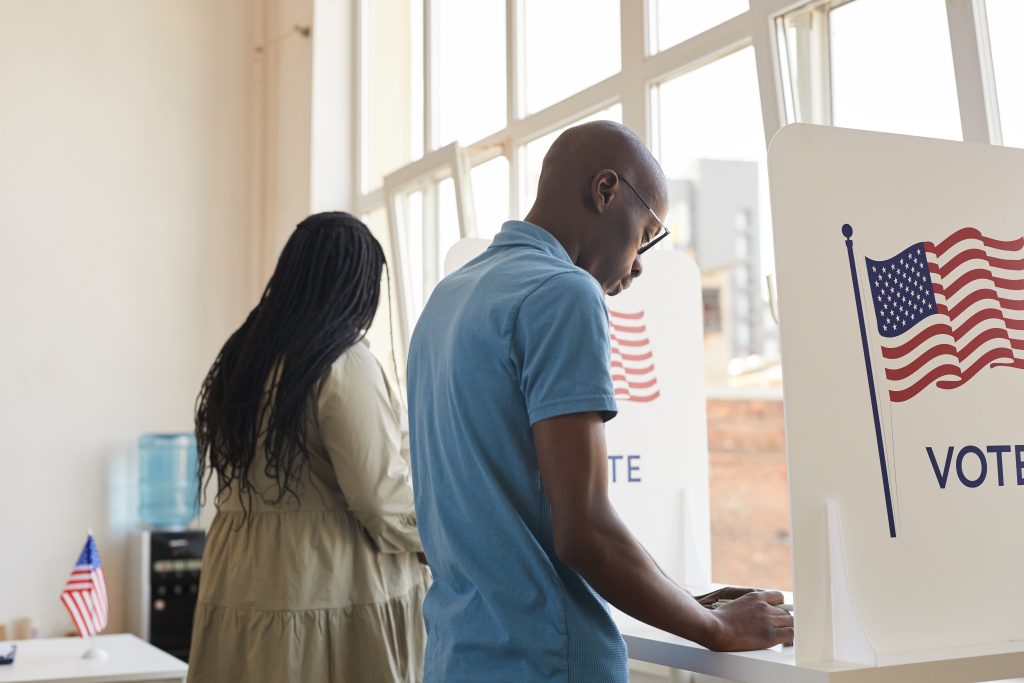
[(471, 70), (892, 68), (801, 38), (380, 335), (448, 223), (1005, 24), (428, 225), (393, 82), (673, 21), (490, 196), (536, 149), (569, 45), (413, 226), (714, 158)]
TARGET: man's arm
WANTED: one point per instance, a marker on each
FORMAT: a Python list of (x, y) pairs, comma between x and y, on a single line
[(590, 537)]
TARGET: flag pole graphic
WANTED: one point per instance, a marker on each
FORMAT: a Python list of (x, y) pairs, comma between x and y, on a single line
[(848, 234)]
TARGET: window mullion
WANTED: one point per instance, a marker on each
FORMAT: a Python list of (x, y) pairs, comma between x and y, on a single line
[(430, 80), (972, 67), (813, 70), (464, 195), (401, 271), (431, 237), (632, 17), (769, 74), (821, 66), (514, 91)]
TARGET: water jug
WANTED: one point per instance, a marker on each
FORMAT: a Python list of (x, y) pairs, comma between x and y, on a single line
[(168, 480)]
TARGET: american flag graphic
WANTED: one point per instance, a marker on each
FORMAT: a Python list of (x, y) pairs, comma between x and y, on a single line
[(632, 359), (946, 311), (85, 594)]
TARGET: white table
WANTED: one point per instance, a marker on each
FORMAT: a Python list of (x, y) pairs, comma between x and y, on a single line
[(59, 660), (778, 665)]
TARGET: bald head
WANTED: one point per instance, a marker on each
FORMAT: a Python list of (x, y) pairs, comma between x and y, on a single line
[(588, 148), (594, 184)]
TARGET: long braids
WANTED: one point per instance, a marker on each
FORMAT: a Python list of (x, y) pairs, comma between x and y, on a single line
[(258, 393)]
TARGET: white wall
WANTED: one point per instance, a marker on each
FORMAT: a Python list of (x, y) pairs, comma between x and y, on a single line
[(125, 259)]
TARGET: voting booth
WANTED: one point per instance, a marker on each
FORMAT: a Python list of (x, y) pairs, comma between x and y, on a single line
[(900, 266), (657, 444)]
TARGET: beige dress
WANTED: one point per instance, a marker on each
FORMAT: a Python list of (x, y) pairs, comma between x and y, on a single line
[(327, 588)]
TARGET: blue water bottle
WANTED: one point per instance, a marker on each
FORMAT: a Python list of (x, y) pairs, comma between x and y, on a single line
[(168, 480)]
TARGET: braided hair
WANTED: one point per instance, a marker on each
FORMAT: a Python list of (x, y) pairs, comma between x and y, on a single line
[(257, 395)]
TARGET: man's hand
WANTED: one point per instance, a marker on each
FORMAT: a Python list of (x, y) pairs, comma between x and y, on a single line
[(751, 622), (727, 593)]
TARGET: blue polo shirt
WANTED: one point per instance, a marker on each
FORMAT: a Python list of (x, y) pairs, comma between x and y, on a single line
[(516, 336)]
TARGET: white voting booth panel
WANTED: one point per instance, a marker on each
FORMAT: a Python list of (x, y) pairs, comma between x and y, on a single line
[(902, 351), (657, 445)]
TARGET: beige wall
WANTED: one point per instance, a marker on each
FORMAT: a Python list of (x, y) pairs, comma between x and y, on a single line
[(302, 118), (126, 257), (282, 124)]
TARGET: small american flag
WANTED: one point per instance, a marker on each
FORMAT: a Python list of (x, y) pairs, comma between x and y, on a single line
[(632, 359), (946, 311), (85, 594)]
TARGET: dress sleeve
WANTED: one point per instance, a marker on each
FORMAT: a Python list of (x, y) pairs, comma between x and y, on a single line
[(366, 440)]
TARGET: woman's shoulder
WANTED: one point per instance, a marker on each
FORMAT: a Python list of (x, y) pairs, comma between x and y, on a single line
[(356, 364)]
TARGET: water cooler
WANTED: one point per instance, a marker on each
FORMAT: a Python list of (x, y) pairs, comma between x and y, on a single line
[(165, 570), (166, 557)]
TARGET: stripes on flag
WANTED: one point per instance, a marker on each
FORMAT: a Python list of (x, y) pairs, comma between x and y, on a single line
[(946, 311), (85, 593), (632, 359)]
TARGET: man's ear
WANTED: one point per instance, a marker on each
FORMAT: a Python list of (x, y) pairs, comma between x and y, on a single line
[(603, 188)]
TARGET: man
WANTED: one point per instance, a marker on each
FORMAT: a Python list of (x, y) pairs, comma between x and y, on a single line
[(509, 389)]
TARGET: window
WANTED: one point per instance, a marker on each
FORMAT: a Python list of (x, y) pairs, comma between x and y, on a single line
[(873, 69), (741, 307), (411, 232), (712, 310), (470, 99), (429, 208), (710, 141), (741, 245), (392, 88), (491, 196), (380, 335), (1005, 23), (714, 157), (741, 279), (572, 44), (672, 21), (448, 221), (851, 65)]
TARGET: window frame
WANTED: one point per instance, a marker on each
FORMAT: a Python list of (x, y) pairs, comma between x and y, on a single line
[(633, 87), (969, 41), (424, 175)]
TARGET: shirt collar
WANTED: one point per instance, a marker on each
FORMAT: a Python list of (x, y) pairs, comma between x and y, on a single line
[(521, 233)]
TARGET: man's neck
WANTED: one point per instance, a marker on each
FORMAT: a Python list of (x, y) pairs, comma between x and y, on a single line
[(554, 226)]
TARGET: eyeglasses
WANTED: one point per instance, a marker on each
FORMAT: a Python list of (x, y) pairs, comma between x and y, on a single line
[(661, 224)]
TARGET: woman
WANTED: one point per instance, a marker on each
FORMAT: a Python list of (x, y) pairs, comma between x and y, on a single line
[(311, 570)]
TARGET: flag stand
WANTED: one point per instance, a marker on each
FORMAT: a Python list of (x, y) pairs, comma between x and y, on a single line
[(848, 234), (96, 654)]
